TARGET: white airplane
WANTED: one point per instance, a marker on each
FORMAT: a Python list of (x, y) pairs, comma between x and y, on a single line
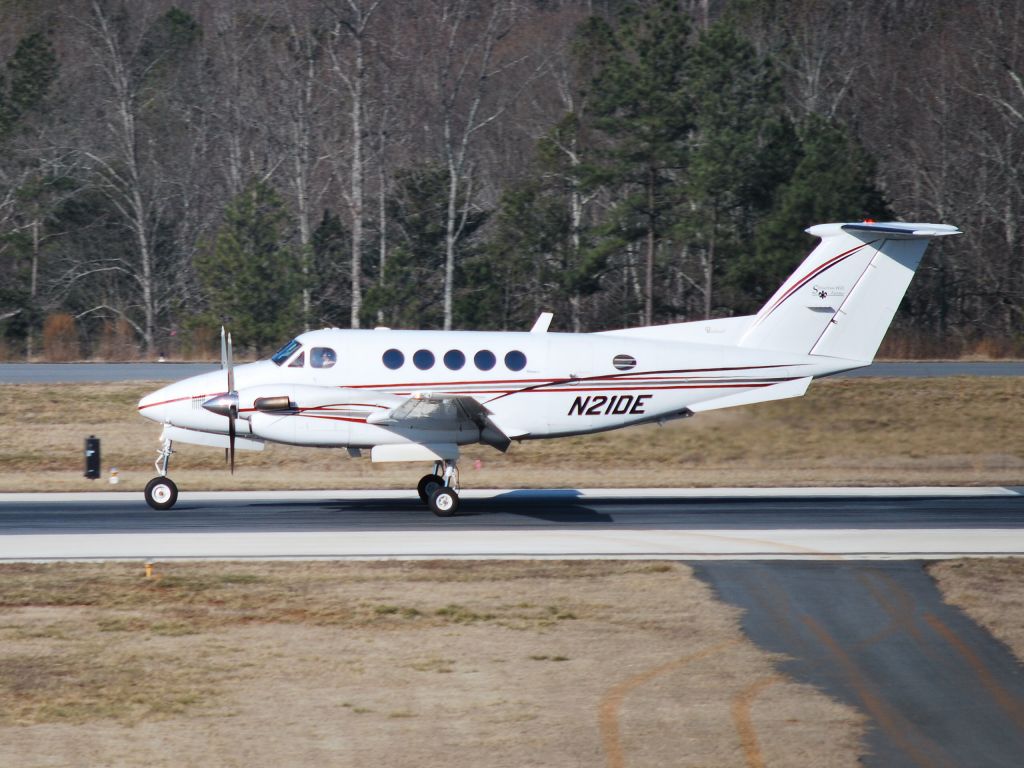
[(420, 395)]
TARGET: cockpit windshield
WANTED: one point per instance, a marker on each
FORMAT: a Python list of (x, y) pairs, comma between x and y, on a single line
[(282, 355)]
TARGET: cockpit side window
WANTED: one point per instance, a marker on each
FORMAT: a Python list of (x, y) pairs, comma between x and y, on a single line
[(322, 357), (286, 351), (299, 361)]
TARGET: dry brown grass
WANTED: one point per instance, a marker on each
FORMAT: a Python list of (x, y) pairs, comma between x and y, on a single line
[(398, 664), (947, 431), (990, 591)]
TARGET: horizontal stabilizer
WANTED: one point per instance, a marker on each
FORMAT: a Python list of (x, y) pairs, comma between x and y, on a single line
[(780, 391)]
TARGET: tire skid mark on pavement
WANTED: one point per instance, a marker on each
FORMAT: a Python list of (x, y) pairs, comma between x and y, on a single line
[(1010, 704), (611, 703), (899, 605), (922, 750), (741, 705)]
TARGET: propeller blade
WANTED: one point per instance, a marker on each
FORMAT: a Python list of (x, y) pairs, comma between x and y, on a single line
[(227, 404), (231, 438), (231, 367)]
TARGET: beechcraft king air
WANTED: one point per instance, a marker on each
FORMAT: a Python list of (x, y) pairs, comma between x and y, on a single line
[(420, 395)]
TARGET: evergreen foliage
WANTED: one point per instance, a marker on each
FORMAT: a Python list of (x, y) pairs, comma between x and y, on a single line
[(329, 295), (833, 181), (30, 72), (249, 273), (743, 148), (410, 292)]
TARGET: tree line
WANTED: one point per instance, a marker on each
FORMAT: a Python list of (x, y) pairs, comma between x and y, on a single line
[(274, 165)]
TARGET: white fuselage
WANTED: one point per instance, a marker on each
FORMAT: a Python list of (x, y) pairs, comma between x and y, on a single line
[(532, 385)]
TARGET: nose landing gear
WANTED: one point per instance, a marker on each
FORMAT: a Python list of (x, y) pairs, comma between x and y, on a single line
[(439, 490), (161, 492)]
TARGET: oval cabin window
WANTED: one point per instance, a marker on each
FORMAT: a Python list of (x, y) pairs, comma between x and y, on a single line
[(454, 360), (484, 360), (515, 360), (423, 359), (393, 359), (624, 362)]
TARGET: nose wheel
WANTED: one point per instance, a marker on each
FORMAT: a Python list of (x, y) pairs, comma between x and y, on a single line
[(161, 492)]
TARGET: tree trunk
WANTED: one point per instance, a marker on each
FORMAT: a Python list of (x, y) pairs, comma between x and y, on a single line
[(357, 183), (649, 266)]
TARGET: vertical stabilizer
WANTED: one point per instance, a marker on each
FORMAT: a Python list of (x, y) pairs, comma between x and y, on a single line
[(841, 300)]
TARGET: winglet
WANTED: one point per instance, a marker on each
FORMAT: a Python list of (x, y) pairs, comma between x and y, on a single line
[(543, 323)]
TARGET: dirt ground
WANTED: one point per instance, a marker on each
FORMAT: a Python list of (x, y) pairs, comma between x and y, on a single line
[(944, 431), (990, 591), (398, 664)]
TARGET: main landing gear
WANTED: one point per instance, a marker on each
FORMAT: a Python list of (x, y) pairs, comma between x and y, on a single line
[(439, 490), (161, 492)]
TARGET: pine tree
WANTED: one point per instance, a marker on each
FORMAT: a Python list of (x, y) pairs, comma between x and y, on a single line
[(742, 148), (250, 278), (411, 292), (639, 105), (31, 71), (833, 181)]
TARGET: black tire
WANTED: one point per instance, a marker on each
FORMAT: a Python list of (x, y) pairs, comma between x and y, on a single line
[(427, 485), (444, 502), (161, 493)]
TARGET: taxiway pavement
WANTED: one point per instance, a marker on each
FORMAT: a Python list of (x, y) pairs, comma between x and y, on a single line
[(806, 524)]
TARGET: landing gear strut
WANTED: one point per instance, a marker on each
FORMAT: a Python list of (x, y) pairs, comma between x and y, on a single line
[(439, 490), (161, 492)]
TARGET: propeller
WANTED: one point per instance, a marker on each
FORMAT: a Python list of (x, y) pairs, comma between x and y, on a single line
[(226, 404)]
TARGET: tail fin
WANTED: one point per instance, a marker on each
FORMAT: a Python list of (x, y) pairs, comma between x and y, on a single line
[(841, 300)]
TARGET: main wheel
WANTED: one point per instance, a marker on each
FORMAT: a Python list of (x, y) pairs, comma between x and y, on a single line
[(161, 493), (427, 485), (444, 502)]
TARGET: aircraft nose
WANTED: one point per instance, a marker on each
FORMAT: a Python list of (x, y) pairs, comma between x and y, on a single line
[(154, 405)]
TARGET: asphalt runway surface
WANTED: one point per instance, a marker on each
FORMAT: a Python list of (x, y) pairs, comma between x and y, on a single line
[(937, 689), (792, 523), (40, 373)]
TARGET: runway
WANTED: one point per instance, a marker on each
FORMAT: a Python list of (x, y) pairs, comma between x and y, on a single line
[(802, 524)]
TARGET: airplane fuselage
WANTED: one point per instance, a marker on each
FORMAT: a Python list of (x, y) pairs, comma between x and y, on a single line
[(533, 385)]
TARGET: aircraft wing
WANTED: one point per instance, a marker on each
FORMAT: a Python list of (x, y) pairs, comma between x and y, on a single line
[(448, 411), (424, 412)]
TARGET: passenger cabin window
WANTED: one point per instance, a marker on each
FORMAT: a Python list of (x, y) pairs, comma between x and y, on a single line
[(515, 360), (286, 351), (484, 360), (393, 359), (299, 361), (322, 357), (423, 359), (454, 360)]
